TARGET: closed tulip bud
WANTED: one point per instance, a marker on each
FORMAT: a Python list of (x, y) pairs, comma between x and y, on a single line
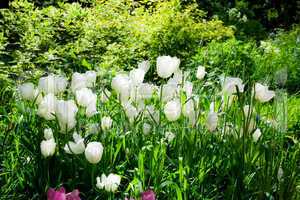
[(110, 183), (231, 84), (91, 77), (78, 82), (188, 108), (85, 96), (76, 147), (188, 88), (106, 123), (93, 152), (137, 76), (66, 114), (262, 93), (168, 91), (166, 66), (212, 121), (52, 84), (146, 128), (122, 85), (200, 72), (172, 110), (46, 108), (48, 134), (48, 147), (130, 111), (256, 135)]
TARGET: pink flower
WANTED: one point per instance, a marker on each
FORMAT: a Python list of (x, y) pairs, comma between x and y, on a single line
[(148, 195), (60, 194)]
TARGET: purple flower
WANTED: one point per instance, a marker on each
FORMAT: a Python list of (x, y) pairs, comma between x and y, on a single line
[(60, 194), (148, 195)]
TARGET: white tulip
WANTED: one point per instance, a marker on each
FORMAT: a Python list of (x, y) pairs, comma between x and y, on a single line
[(46, 108), (200, 72), (122, 85), (91, 77), (93, 152), (145, 90), (110, 183), (137, 76), (212, 121), (91, 110), (106, 123), (169, 136), (172, 110), (262, 93), (230, 84), (130, 111), (189, 108), (52, 84), (48, 134), (78, 82), (144, 65), (104, 96), (66, 114), (85, 97), (28, 92), (48, 147), (168, 92), (188, 88), (146, 128), (166, 66), (76, 147), (256, 135)]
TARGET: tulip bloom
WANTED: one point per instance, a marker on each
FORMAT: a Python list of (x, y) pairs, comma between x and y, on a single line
[(172, 110), (48, 145), (66, 114), (231, 83), (76, 147), (93, 152), (60, 194), (166, 66), (110, 183), (148, 195), (46, 108), (200, 72), (262, 93), (106, 123), (256, 135), (212, 121), (52, 84)]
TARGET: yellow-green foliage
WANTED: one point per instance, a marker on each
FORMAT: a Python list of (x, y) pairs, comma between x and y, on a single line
[(111, 34)]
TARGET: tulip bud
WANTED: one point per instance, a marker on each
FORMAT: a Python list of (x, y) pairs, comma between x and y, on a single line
[(200, 72), (27, 91), (48, 147), (212, 121), (172, 110), (256, 135), (166, 66), (66, 114), (78, 82), (93, 152), (106, 123), (137, 76), (231, 83)]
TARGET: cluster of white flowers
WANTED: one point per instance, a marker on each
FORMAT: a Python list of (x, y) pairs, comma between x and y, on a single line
[(110, 183), (48, 145)]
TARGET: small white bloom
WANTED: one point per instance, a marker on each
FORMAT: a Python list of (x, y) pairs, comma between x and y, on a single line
[(93, 152), (200, 72), (172, 110), (48, 147), (262, 93), (137, 76), (46, 108), (145, 90), (76, 147), (146, 128), (91, 77), (104, 96), (168, 91), (169, 136), (166, 66), (256, 135), (188, 108), (212, 121), (48, 134), (85, 97), (188, 88), (66, 114), (106, 123), (230, 84), (52, 84), (110, 183)]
